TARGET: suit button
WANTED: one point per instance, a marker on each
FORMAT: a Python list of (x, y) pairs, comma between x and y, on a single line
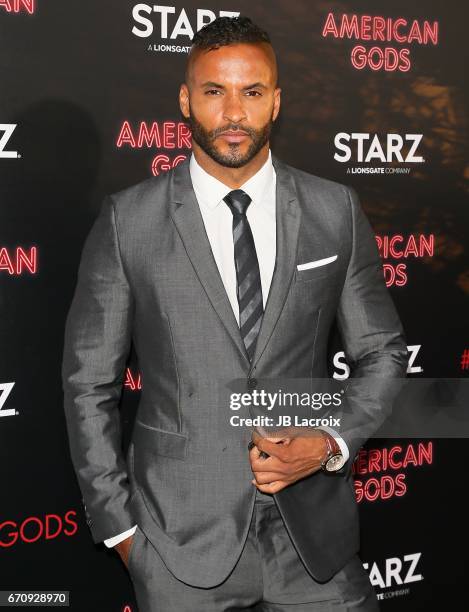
[(252, 383)]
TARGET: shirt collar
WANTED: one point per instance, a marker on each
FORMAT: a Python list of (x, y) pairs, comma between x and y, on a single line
[(210, 191)]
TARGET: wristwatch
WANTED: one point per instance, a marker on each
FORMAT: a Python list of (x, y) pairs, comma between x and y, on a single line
[(334, 459)]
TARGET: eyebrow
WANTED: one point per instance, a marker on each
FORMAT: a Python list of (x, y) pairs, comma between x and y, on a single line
[(219, 86)]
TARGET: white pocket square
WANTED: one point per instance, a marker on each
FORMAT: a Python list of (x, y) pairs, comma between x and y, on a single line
[(317, 263)]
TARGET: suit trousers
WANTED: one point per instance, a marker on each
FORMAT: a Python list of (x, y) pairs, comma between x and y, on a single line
[(268, 577)]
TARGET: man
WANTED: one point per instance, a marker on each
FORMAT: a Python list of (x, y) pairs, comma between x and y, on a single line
[(233, 265)]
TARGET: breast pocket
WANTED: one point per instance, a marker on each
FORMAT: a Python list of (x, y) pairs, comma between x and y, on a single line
[(315, 269)]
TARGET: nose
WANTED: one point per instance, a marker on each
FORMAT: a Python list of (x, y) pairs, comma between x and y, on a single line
[(233, 109)]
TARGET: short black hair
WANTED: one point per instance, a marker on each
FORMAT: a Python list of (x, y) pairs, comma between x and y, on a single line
[(229, 30)]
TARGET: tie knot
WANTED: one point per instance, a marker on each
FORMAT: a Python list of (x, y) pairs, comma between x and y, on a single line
[(238, 201)]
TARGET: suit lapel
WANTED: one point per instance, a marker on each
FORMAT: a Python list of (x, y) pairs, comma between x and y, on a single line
[(187, 217), (288, 215)]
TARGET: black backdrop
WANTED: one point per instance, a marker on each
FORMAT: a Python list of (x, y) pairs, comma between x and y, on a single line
[(88, 106)]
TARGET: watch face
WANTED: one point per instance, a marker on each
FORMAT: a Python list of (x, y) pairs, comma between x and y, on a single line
[(334, 463)]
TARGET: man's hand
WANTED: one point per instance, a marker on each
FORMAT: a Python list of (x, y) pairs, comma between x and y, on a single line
[(123, 548), (291, 458)]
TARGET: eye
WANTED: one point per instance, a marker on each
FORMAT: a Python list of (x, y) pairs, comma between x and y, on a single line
[(212, 91), (253, 91)]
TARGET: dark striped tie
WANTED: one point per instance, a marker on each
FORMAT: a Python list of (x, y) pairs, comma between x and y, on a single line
[(248, 278)]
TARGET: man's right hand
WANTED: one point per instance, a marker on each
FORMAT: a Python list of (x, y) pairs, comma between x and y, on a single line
[(123, 548)]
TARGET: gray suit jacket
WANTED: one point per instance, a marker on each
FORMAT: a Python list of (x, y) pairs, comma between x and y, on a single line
[(147, 275)]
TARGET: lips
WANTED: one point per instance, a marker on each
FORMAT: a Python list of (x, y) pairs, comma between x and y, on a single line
[(237, 136)]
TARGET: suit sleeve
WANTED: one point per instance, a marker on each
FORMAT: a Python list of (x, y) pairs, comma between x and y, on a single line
[(97, 342), (372, 337)]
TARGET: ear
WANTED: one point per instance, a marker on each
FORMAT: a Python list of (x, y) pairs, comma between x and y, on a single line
[(276, 108), (184, 100)]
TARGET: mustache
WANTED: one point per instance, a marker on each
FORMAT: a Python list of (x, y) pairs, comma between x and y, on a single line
[(232, 128), (229, 127)]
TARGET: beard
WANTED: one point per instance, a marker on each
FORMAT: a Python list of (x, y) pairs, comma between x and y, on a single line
[(234, 158)]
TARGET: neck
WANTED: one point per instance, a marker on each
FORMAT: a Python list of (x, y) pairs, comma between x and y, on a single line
[(231, 177)]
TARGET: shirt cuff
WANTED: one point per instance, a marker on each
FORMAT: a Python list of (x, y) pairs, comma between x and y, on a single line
[(342, 445), (110, 542)]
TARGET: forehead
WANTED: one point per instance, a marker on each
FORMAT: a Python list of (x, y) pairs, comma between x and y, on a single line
[(236, 63)]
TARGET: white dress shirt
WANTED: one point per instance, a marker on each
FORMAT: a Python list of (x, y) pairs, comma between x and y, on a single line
[(218, 221)]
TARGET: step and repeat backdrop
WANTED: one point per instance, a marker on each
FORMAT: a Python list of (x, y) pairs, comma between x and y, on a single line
[(374, 96)]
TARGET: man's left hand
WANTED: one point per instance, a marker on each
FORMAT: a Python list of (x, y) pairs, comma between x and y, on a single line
[(291, 458)]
